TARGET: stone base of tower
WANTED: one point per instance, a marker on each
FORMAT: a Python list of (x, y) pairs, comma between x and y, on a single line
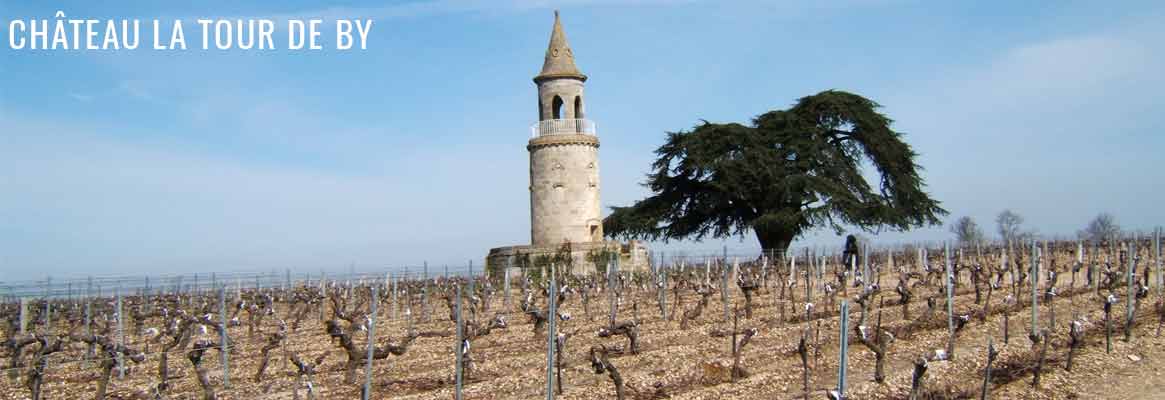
[(582, 257)]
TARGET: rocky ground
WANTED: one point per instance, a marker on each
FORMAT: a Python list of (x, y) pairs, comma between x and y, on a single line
[(692, 363)]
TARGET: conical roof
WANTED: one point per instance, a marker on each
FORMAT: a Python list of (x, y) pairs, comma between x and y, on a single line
[(559, 61)]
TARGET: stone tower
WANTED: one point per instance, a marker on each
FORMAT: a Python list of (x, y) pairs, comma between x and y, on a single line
[(564, 178), (564, 153)]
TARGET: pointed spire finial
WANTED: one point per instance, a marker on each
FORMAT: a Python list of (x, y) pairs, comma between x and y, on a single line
[(559, 61)]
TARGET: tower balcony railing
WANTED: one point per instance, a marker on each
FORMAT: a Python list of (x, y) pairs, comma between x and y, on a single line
[(575, 126)]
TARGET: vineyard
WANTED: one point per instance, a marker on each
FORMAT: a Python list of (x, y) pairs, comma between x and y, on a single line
[(1038, 320)]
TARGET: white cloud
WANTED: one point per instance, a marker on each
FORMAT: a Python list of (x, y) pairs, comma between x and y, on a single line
[(84, 98), (137, 89), (1056, 84)]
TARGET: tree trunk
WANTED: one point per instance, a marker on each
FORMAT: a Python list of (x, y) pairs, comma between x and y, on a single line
[(106, 373), (163, 371), (775, 239)]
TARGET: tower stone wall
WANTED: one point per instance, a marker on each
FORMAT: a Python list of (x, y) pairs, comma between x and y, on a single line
[(569, 91), (564, 190)]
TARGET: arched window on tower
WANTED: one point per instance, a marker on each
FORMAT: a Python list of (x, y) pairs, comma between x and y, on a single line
[(556, 107), (578, 109)]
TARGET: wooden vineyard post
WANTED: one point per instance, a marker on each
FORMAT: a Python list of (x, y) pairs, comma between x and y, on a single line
[(1043, 356), (1007, 300), (803, 350), (410, 320), (1035, 282), (920, 366), (950, 295), (458, 349), (1157, 260), (889, 262), (472, 290), (178, 288), (551, 335), (821, 269), (88, 322), (724, 262), (925, 255), (651, 264), (764, 270), (146, 297), (225, 353), (612, 274), (506, 281), (852, 272), (88, 299), (1080, 254), (921, 259), (662, 292), (395, 305), (366, 393), (991, 355), (120, 337), (425, 311), (1130, 306), (323, 291), (48, 310), (1108, 302), (23, 315), (809, 267), (707, 272), (866, 280), (1093, 267), (724, 289), (388, 286), (843, 343)]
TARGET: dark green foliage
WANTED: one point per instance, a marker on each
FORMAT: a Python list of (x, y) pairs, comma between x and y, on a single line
[(539, 264), (789, 171), (600, 257)]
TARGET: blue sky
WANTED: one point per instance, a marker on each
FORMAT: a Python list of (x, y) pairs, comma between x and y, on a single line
[(413, 150)]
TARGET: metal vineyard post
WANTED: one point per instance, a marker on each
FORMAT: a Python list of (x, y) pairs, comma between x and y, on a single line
[(120, 338), (457, 357), (222, 318), (551, 335), (367, 392), (843, 343)]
